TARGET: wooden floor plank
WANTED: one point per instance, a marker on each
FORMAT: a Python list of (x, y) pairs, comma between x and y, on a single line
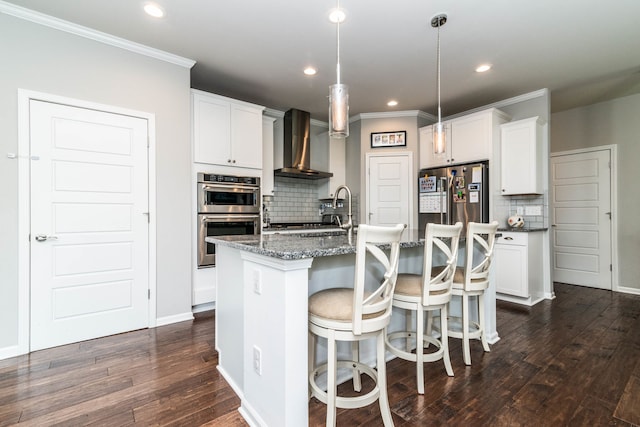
[(571, 361)]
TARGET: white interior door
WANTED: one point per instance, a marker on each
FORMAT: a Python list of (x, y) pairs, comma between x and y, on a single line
[(389, 190), (581, 218), (89, 224)]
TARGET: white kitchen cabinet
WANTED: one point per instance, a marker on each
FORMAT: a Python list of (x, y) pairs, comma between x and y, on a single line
[(518, 267), (521, 149), (267, 184), (226, 132), (428, 158), (337, 164), (469, 138)]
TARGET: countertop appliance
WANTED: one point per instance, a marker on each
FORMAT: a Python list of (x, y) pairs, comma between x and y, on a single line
[(227, 205), (454, 193)]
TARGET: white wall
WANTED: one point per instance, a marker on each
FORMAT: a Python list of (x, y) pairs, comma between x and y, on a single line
[(612, 122), (43, 59)]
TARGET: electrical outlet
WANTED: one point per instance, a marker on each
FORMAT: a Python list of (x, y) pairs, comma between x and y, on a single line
[(519, 210), (257, 360), (257, 282)]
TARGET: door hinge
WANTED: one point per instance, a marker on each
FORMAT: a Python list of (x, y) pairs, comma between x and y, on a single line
[(148, 215), (610, 267), (148, 293), (148, 142)]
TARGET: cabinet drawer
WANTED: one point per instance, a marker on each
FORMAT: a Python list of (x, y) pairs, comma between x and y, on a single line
[(508, 238)]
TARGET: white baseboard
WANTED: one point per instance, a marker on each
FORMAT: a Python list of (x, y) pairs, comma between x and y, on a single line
[(625, 290), (203, 307), (235, 387), (161, 321), (250, 415), (8, 352)]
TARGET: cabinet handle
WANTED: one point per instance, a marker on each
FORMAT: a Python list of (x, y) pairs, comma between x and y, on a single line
[(453, 160), (233, 161), (503, 190), (508, 238), (228, 160)]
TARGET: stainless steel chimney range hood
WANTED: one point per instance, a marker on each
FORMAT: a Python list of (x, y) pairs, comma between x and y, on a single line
[(297, 149)]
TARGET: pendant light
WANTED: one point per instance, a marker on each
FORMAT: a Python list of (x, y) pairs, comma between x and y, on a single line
[(439, 134), (338, 93)]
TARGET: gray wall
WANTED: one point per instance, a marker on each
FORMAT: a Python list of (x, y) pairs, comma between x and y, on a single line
[(607, 123), (370, 124), (39, 58)]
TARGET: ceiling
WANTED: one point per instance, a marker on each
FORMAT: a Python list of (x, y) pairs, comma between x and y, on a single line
[(583, 51)]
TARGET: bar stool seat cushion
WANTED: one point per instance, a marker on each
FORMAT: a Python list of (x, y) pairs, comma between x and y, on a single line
[(336, 304)]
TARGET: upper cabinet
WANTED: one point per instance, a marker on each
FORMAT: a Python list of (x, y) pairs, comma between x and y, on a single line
[(521, 166), (337, 164), (226, 132), (267, 156), (469, 138)]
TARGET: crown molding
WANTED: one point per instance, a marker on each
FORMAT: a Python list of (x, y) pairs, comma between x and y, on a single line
[(504, 103), (393, 114), (89, 33)]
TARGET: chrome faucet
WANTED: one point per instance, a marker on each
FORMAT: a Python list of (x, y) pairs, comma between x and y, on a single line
[(349, 224)]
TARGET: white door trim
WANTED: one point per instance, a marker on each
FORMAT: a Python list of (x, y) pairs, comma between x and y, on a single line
[(24, 98), (612, 148), (412, 184)]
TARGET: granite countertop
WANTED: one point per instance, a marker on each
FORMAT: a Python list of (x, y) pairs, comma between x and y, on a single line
[(523, 229), (303, 245)]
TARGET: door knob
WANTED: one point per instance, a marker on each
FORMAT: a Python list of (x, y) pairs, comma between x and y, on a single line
[(44, 237)]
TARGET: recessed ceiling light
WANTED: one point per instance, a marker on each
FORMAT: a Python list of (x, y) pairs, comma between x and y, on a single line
[(392, 103), (482, 68), (154, 10), (337, 16), (310, 71)]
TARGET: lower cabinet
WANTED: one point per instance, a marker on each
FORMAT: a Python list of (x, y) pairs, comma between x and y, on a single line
[(518, 267)]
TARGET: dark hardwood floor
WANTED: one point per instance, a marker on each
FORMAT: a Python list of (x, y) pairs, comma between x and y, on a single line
[(571, 361)]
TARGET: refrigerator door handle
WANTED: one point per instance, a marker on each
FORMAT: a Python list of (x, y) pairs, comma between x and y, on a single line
[(443, 199)]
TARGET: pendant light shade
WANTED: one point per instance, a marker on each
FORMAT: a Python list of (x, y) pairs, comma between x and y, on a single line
[(338, 93), (439, 132), (339, 110)]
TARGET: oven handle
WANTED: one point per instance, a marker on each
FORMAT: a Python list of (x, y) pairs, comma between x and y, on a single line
[(251, 188), (224, 218)]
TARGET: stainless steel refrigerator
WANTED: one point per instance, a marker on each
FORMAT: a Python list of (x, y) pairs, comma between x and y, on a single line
[(454, 193)]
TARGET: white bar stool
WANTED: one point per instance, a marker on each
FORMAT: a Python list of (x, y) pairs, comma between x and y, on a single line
[(427, 292), (355, 314)]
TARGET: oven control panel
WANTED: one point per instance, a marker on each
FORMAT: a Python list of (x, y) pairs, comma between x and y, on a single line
[(228, 179)]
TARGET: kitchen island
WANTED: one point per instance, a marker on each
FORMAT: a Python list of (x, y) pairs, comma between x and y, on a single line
[(264, 282)]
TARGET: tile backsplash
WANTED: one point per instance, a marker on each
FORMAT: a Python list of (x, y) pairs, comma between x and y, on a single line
[(533, 208), (297, 200)]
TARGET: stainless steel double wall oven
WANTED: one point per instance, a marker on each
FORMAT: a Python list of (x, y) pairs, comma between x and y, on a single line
[(227, 205)]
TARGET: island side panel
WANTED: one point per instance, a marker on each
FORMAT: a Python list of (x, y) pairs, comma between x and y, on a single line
[(276, 332), (230, 317)]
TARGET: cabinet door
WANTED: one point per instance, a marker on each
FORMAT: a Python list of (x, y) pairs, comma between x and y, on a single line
[(521, 149), (211, 130), (337, 164), (428, 159), (511, 270), (246, 137), (267, 156), (471, 138)]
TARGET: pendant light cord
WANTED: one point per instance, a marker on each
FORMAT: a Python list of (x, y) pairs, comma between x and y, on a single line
[(438, 74), (338, 46)]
